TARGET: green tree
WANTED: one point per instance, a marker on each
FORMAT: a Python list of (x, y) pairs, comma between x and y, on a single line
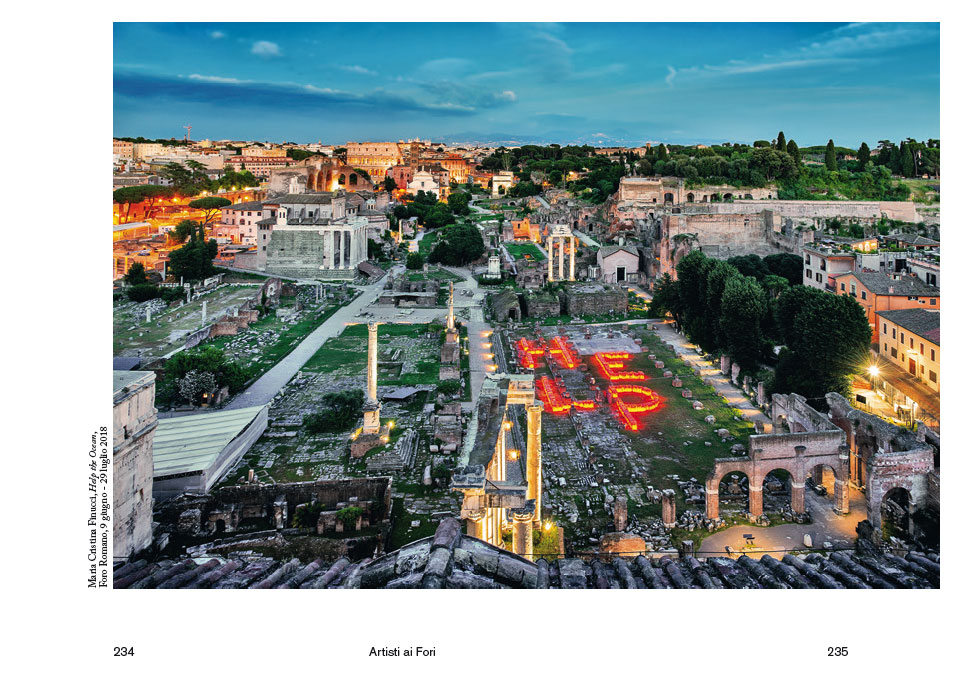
[(448, 387), (389, 184), (864, 156), (205, 358), (458, 203), (828, 342), (209, 206), (339, 411), (786, 265), (781, 143), (907, 160), (830, 157), (743, 307), (148, 194), (136, 275), (458, 245), (666, 298), (415, 261), (794, 152), (142, 292)]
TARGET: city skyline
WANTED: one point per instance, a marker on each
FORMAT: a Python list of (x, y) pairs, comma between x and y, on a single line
[(681, 83)]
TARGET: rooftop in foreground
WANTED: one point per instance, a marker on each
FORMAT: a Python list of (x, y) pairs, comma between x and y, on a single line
[(451, 560)]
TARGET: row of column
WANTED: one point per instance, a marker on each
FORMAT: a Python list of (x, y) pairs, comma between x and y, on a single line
[(347, 248), (560, 241), (485, 524), (756, 498)]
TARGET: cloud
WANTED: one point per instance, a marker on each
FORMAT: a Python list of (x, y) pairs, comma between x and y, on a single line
[(217, 35), (266, 49), (215, 79), (848, 44), (550, 55), (195, 89), (356, 68)]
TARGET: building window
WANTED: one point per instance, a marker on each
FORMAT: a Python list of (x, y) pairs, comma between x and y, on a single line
[(934, 301), (934, 377), (864, 295), (885, 346), (894, 352), (818, 278), (885, 328), (902, 338), (807, 273), (842, 290), (932, 354), (824, 266)]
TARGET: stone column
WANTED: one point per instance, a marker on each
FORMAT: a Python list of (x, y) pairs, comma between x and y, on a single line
[(620, 513), (475, 523), (797, 497), (668, 508), (550, 258), (328, 249), (203, 312), (711, 502), (522, 542), (841, 497), (372, 360), (570, 274), (755, 498), (340, 248), (534, 456)]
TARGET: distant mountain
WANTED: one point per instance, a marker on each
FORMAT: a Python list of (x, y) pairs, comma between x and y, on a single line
[(564, 138)]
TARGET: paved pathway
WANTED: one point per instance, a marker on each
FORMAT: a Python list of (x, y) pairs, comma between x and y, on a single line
[(825, 525), (271, 382), (710, 374), (478, 329)]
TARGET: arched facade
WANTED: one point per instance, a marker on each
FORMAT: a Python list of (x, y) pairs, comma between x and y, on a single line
[(813, 441)]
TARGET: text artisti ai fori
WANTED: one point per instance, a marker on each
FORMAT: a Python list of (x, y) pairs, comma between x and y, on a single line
[(398, 652)]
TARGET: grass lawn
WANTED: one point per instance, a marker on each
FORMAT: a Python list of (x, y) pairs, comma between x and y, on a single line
[(347, 355), (525, 250), (289, 336)]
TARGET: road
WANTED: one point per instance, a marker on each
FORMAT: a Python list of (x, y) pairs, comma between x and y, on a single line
[(478, 330), (264, 389)]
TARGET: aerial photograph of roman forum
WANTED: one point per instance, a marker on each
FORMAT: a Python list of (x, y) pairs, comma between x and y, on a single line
[(526, 306)]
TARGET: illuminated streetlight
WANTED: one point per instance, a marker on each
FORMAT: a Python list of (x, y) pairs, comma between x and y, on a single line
[(873, 371)]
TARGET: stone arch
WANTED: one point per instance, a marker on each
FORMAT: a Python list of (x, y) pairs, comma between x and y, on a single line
[(353, 179), (728, 196), (342, 180), (668, 198), (779, 481), (690, 198), (897, 508), (734, 485), (748, 196), (714, 197), (220, 526)]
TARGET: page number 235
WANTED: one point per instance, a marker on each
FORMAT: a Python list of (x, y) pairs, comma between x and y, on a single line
[(837, 651)]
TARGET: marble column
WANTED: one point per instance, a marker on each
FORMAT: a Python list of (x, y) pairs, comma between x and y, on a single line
[(570, 273), (534, 456), (372, 360), (475, 523), (341, 248), (522, 539), (550, 258), (328, 249)]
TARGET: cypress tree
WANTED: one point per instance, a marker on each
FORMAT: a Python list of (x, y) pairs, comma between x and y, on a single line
[(864, 155), (795, 152), (907, 160), (781, 144), (830, 157), (894, 160)]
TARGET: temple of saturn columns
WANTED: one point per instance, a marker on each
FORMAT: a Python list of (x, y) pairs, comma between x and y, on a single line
[(560, 235)]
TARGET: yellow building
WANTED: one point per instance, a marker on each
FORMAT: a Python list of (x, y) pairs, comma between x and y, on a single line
[(911, 340)]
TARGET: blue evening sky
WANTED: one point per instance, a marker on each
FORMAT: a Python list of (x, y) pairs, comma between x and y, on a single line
[(681, 83)]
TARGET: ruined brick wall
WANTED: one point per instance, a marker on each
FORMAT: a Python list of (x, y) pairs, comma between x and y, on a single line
[(542, 306), (580, 301), (134, 424)]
